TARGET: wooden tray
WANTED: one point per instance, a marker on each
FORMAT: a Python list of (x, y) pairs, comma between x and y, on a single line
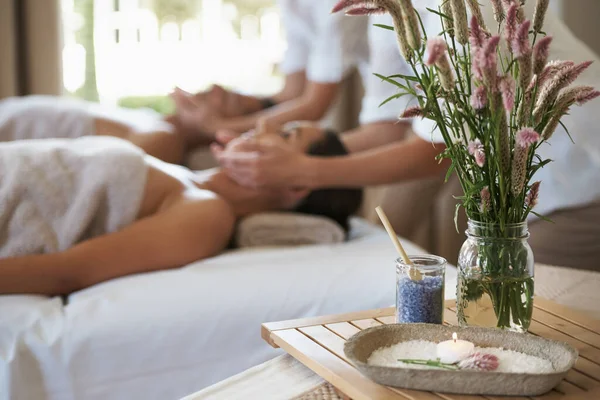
[(319, 344)]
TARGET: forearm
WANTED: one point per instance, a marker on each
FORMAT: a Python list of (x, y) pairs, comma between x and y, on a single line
[(38, 274), (299, 109), (374, 135), (398, 162)]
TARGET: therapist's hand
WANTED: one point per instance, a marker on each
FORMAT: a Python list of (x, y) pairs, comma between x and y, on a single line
[(262, 164)]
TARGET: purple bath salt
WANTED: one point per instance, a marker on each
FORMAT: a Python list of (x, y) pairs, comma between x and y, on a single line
[(420, 300)]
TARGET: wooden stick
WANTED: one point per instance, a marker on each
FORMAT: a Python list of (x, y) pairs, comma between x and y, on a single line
[(414, 273)]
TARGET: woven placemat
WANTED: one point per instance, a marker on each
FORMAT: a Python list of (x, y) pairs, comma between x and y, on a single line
[(322, 392)]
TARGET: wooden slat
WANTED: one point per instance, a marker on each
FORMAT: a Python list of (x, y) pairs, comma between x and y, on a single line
[(568, 388), (585, 350), (552, 395), (567, 327), (269, 327), (583, 365), (581, 380), (387, 320), (593, 395), (365, 323), (343, 329), (327, 365), (568, 314)]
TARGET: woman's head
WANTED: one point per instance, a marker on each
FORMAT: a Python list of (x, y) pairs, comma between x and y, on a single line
[(335, 203)]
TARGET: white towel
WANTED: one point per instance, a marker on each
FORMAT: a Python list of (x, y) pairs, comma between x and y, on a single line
[(287, 229), (55, 193)]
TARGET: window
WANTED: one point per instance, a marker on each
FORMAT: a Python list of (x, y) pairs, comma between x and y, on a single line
[(134, 52)]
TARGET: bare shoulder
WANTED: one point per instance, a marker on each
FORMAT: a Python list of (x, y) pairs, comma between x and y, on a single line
[(201, 215)]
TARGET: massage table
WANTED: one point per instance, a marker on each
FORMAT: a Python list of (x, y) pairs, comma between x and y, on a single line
[(166, 334)]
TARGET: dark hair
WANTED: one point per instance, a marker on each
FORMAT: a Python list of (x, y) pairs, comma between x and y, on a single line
[(340, 203)]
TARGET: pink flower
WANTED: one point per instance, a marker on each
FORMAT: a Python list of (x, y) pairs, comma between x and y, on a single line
[(480, 362), (488, 62), (479, 98), (344, 4), (541, 51), (478, 152), (581, 100), (510, 28), (507, 4), (507, 88), (412, 112), (477, 36), (366, 11), (436, 47), (532, 197), (498, 13), (526, 137), (476, 55), (541, 7), (553, 68), (520, 43)]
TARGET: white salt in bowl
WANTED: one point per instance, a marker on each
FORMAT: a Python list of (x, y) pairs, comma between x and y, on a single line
[(533, 383)]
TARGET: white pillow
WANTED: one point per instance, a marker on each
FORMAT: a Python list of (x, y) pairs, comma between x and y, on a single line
[(287, 229)]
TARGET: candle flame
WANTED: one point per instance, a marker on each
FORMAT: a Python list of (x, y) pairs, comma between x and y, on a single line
[(454, 337)]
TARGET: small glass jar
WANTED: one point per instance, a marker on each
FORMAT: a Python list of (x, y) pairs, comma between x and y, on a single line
[(420, 290)]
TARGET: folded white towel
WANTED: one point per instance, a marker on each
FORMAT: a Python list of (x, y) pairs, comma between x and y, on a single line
[(287, 229), (58, 192)]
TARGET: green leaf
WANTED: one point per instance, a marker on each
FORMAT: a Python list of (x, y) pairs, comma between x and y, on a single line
[(542, 217), (566, 130), (393, 82), (382, 26), (394, 97), (438, 13), (409, 77), (449, 172)]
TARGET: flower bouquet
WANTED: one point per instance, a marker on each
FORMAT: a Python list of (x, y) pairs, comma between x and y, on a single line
[(495, 98)]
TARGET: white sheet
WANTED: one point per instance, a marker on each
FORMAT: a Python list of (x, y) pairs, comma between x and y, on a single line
[(167, 334)]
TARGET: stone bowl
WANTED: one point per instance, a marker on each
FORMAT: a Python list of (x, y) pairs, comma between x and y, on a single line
[(562, 356)]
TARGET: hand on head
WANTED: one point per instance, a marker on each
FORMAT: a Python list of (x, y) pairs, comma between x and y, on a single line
[(268, 156)]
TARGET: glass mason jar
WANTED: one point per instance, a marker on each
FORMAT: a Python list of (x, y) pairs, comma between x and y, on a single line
[(420, 290), (495, 277)]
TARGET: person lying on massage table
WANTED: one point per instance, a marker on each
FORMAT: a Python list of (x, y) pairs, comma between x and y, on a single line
[(182, 216)]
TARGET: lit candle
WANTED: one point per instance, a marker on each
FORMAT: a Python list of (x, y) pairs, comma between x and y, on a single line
[(453, 351)]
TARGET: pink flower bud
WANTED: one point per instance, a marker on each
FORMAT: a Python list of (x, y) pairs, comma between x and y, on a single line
[(477, 36), (344, 4), (507, 88), (541, 51), (526, 137), (498, 12), (532, 197), (520, 43), (541, 7), (412, 112), (436, 47), (366, 11), (479, 98), (478, 152), (510, 27)]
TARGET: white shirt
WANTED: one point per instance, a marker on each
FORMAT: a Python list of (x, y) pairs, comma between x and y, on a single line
[(573, 178), (327, 46), (385, 59)]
